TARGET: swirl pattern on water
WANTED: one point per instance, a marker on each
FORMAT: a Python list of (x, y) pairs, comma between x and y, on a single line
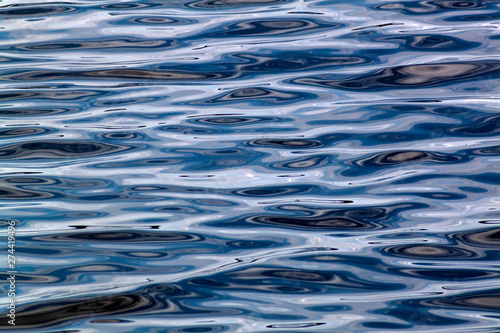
[(252, 165)]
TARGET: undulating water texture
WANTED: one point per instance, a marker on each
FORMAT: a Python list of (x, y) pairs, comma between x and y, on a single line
[(183, 166)]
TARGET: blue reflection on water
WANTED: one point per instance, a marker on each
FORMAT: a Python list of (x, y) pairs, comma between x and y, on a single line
[(252, 165)]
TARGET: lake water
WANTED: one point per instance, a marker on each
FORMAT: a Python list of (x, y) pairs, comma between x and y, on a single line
[(251, 165)]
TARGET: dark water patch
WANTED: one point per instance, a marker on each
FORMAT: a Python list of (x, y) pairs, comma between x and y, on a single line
[(118, 136), (272, 27), (489, 238), (264, 279), (103, 44), (391, 159), (129, 5), (221, 4), (450, 111), (436, 43), (7, 193), (417, 314), (195, 130), (490, 178), (479, 301), (434, 310), (272, 191), (388, 137), (115, 74), (54, 182), (285, 143), (293, 61), (446, 274), (152, 162), (143, 254), (434, 195), (29, 278), (51, 313), (237, 65), (474, 17), (386, 325), (121, 236), (181, 209), (71, 95), (110, 321), (481, 127), (297, 216), (22, 112), (303, 163), (472, 189), (473, 127), (23, 132), (428, 251), (60, 149), (427, 7), (409, 76), (29, 10), (230, 120), (329, 308), (154, 21), (257, 96), (296, 325)]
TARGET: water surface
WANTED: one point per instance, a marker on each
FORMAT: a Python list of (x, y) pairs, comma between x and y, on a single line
[(252, 165)]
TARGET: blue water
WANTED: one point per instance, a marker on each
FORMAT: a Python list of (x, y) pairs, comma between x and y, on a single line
[(251, 165)]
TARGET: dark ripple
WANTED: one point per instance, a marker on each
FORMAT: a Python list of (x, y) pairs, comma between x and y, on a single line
[(292, 281), (427, 7), (486, 151), (216, 4), (60, 149), (298, 216), (271, 27), (121, 236), (489, 238), (151, 162), (479, 301), (49, 314), (438, 43), (71, 95), (483, 126), (285, 143), (431, 310), (289, 326), (228, 120), (27, 10), (371, 163), (154, 20), (102, 44), (427, 251), (23, 131), (7, 193), (256, 95), (21, 112), (235, 65), (409, 76), (122, 136), (303, 163), (129, 5), (475, 17), (115, 74), (447, 274)]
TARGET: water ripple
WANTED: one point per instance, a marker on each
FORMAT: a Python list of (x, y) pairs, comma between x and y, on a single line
[(251, 165)]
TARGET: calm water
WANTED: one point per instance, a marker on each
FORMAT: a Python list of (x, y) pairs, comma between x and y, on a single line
[(251, 165)]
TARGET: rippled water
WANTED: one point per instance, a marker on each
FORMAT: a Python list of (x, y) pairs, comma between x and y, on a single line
[(252, 165)]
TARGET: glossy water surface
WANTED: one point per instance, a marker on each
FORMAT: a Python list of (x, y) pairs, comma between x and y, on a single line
[(252, 165)]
